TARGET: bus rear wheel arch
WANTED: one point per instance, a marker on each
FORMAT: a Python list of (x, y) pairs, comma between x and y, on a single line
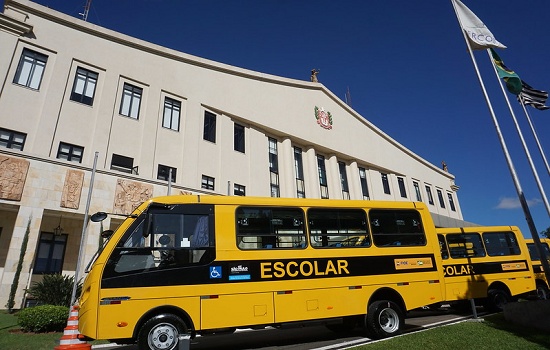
[(161, 332), (384, 319)]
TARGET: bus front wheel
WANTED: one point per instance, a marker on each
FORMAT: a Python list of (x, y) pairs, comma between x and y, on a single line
[(384, 319), (161, 332)]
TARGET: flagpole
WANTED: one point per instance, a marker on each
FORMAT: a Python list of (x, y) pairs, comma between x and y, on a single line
[(527, 153), (519, 190), (534, 134)]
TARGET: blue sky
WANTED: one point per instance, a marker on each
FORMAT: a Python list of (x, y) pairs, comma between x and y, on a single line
[(406, 66)]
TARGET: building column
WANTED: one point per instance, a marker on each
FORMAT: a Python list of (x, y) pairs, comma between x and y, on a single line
[(333, 177), (311, 174), (355, 190), (287, 181), (27, 218)]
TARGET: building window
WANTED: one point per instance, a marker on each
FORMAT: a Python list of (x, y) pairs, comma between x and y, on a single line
[(385, 184), (344, 180), (207, 182), (417, 191), (123, 164), (238, 138), (84, 86), (171, 116), (323, 183), (299, 170), (402, 189), (363, 180), (239, 190), (69, 152), (209, 133), (51, 250), (30, 69), (440, 197), (131, 99), (429, 193), (165, 172), (12, 139), (451, 202), (273, 168)]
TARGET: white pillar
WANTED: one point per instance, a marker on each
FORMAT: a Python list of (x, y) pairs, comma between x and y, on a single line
[(333, 177), (287, 178), (311, 174), (14, 252), (354, 181)]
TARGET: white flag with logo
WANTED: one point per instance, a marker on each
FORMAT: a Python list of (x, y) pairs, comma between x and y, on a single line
[(478, 34)]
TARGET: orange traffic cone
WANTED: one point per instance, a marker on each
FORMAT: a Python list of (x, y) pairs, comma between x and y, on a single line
[(70, 340)]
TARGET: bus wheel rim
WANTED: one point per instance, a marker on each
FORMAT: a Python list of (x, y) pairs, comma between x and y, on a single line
[(163, 336), (389, 320)]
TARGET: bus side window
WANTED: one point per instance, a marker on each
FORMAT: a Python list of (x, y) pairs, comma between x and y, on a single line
[(396, 228), (501, 243), (270, 228), (338, 228), (467, 245)]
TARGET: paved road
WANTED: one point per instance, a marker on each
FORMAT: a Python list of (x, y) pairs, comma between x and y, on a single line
[(308, 338)]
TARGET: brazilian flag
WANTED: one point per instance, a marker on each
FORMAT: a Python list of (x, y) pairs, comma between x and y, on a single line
[(513, 81)]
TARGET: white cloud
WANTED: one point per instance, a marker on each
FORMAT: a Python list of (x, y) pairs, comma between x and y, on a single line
[(513, 203)]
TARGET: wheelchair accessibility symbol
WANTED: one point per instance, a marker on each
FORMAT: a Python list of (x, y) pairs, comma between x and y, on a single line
[(215, 272)]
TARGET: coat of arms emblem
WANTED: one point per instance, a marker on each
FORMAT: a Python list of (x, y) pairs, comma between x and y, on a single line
[(324, 118)]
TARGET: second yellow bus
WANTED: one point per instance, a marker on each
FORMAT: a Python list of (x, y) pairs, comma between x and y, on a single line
[(487, 263)]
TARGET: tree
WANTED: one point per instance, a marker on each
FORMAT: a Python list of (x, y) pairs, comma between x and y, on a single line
[(15, 284), (545, 233)]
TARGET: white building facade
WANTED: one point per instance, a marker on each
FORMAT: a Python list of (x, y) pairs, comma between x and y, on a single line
[(146, 114)]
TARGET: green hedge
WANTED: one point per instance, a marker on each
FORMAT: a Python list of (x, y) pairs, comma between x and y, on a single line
[(43, 318)]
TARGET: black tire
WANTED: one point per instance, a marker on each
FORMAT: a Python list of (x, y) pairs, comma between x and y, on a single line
[(542, 292), (496, 299), (384, 319), (161, 332)]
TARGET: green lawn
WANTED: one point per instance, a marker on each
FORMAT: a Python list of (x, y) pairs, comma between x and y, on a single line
[(26, 341), (493, 332)]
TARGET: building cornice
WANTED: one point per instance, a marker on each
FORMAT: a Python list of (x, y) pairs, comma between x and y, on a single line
[(14, 26)]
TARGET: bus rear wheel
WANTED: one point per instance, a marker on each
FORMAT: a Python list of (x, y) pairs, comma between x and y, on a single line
[(496, 299), (161, 332), (384, 319), (542, 291)]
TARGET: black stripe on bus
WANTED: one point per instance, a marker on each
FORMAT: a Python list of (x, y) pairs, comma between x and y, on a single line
[(275, 270), (484, 268)]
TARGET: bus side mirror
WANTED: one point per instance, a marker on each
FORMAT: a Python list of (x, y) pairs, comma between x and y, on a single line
[(99, 216), (107, 233)]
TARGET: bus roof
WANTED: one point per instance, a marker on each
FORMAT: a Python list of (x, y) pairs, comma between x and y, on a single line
[(271, 201)]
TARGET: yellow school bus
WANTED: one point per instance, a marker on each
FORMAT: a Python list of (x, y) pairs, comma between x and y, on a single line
[(197, 264), (540, 277), (487, 263)]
